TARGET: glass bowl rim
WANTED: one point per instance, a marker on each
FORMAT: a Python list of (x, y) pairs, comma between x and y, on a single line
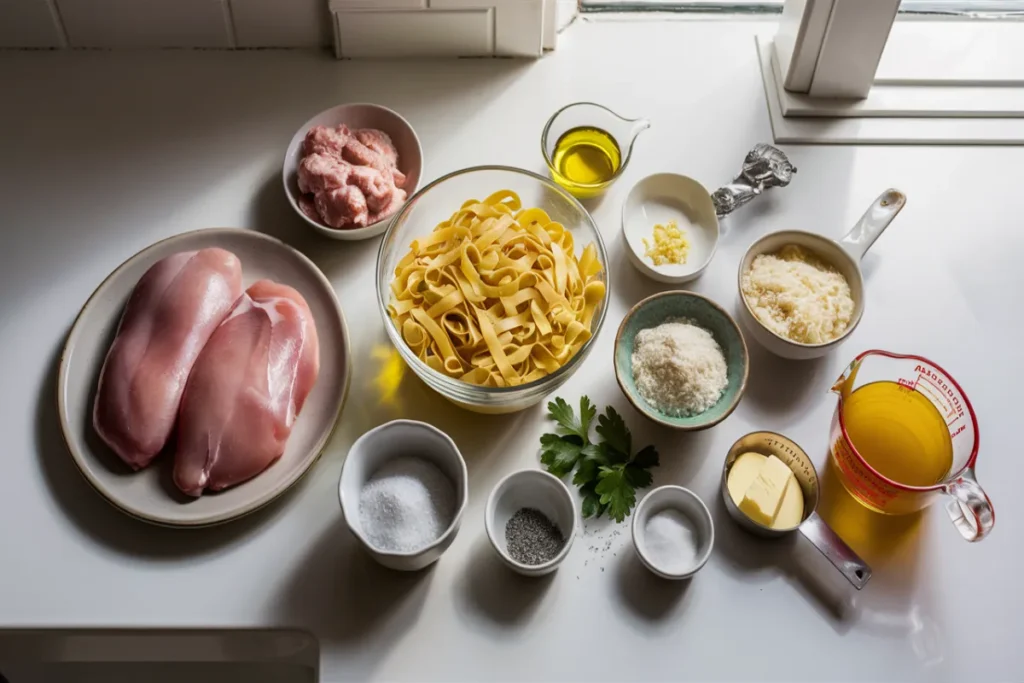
[(457, 385)]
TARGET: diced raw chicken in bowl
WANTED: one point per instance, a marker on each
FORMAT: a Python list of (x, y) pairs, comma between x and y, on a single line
[(351, 168), (353, 184)]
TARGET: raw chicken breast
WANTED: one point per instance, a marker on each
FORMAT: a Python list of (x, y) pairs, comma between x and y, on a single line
[(171, 313), (343, 207), (246, 389)]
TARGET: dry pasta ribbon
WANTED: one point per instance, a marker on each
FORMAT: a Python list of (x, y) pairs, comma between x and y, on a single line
[(495, 295)]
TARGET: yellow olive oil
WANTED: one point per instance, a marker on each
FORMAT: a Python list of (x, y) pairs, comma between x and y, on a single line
[(585, 160), (899, 432)]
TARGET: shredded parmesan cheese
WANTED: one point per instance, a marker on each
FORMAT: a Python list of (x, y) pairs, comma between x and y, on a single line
[(670, 245), (798, 296), (679, 368)]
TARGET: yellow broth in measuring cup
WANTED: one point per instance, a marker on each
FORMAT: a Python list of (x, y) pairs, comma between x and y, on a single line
[(903, 433)]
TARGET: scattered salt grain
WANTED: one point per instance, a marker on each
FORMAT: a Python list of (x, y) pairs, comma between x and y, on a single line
[(406, 505)]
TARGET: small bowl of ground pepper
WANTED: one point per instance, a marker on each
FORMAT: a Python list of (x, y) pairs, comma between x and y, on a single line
[(531, 521)]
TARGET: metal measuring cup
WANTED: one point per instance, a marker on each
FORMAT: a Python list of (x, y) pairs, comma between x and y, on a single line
[(813, 527)]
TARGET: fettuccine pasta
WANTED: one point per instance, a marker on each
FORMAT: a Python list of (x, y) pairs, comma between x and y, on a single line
[(495, 295)]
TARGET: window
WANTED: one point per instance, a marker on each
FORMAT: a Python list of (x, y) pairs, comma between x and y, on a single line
[(952, 8), (947, 71)]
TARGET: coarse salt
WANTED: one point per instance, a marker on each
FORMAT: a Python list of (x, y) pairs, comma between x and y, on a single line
[(406, 505), (679, 368)]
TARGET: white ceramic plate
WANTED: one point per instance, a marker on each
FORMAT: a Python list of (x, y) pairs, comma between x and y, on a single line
[(150, 494), (363, 115), (665, 197)]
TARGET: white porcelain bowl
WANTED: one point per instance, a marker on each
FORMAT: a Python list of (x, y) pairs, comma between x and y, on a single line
[(541, 491), (843, 255), (693, 508), (363, 115), (386, 442), (664, 197)]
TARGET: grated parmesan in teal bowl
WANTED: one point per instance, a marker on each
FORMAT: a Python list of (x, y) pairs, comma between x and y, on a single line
[(702, 311)]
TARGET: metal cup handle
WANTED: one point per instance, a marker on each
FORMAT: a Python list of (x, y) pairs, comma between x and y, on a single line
[(842, 557)]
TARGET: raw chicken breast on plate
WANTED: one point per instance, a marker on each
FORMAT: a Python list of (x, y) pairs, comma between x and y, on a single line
[(246, 389), (170, 315)]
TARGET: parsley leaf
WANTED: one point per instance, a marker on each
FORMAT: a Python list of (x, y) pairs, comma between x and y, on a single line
[(616, 492), (615, 433), (606, 472), (562, 413), (638, 477), (647, 457), (590, 462), (591, 504), (560, 453)]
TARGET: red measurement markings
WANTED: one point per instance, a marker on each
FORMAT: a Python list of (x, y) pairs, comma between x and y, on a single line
[(936, 394)]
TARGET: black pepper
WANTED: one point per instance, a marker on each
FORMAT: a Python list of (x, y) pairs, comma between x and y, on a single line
[(532, 538)]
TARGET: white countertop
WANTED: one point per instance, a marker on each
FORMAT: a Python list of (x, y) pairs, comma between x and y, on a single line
[(104, 153)]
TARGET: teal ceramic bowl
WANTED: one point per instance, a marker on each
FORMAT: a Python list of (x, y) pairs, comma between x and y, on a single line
[(655, 310)]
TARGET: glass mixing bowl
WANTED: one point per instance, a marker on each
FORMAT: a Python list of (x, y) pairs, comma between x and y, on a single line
[(437, 202)]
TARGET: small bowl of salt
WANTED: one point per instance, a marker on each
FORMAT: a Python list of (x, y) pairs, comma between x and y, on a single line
[(403, 488), (672, 532)]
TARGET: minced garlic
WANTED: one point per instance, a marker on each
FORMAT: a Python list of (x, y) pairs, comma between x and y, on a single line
[(670, 245)]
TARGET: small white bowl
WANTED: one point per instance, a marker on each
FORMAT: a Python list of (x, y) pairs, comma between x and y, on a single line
[(407, 144), (690, 505), (386, 442), (844, 255), (658, 199), (541, 491)]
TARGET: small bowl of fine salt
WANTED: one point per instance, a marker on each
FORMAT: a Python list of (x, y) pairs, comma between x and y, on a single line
[(403, 488), (681, 360), (672, 532), (531, 521)]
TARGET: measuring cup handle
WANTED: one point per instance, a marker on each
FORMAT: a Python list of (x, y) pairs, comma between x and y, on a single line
[(874, 221), (842, 557), (971, 510)]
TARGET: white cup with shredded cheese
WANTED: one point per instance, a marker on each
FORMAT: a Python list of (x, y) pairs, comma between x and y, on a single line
[(802, 294)]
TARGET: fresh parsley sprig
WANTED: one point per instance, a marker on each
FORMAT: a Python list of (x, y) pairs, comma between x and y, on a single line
[(607, 472)]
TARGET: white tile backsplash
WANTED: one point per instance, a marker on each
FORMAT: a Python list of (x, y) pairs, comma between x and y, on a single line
[(281, 23), (145, 23), (416, 33), (29, 23)]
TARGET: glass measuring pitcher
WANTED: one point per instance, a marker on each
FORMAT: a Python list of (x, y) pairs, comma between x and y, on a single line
[(587, 147), (918, 379)]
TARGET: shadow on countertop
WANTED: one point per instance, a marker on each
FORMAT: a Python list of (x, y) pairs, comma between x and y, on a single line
[(491, 590), (101, 521), (752, 559), (341, 594), (649, 597)]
